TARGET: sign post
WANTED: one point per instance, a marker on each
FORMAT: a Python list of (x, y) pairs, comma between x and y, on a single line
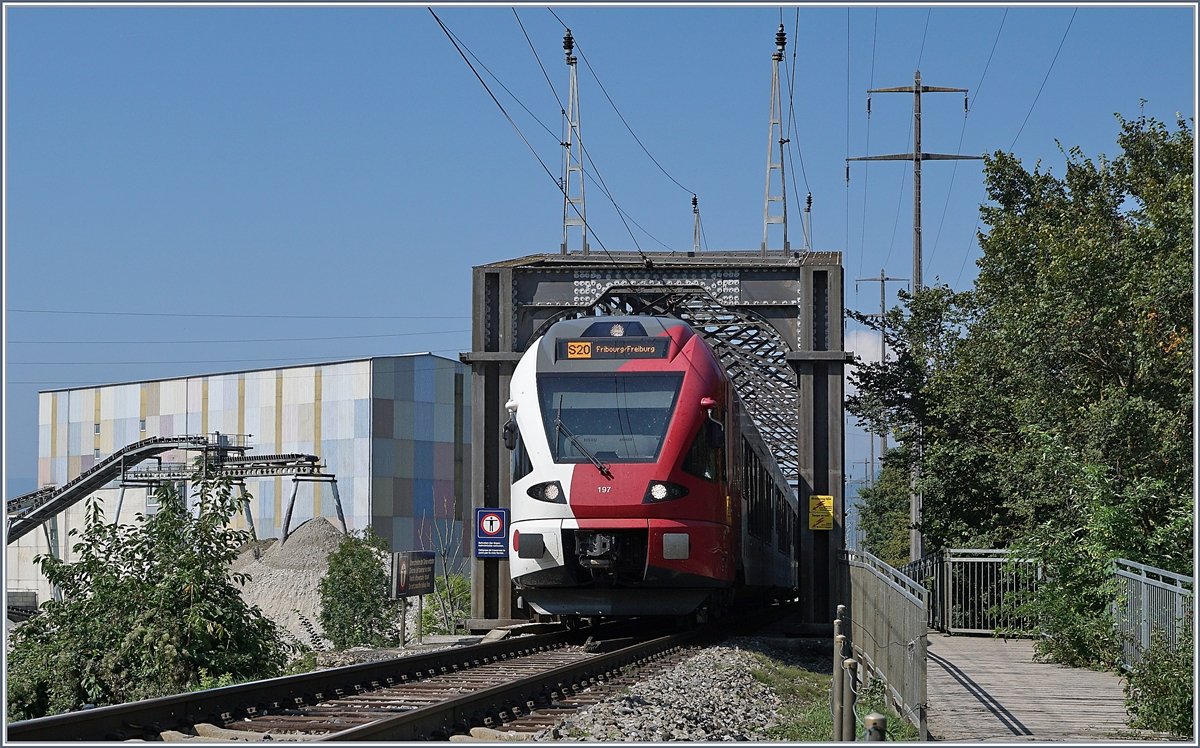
[(491, 532), (820, 512), (412, 574)]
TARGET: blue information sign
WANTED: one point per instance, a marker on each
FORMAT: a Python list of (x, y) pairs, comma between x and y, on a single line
[(491, 533)]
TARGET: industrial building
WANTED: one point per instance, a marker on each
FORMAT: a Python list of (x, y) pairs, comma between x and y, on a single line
[(393, 431)]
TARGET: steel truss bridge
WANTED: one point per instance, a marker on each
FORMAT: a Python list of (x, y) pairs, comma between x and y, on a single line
[(774, 318)]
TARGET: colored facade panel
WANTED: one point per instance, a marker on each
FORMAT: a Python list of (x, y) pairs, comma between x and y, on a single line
[(389, 456)]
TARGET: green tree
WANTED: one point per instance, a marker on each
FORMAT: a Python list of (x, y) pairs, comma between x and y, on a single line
[(884, 512), (1051, 405), (148, 609), (355, 606)]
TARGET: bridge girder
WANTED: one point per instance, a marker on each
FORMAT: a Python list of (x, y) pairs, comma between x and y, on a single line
[(774, 320)]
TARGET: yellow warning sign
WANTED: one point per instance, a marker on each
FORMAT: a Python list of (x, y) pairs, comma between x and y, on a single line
[(820, 512), (577, 349)]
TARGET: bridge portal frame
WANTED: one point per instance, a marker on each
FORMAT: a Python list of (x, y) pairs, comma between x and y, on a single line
[(775, 319)]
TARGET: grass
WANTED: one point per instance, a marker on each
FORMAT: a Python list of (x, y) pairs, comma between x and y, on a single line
[(805, 694)]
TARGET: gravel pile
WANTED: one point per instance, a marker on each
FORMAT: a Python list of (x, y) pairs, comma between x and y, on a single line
[(709, 696), (284, 580)]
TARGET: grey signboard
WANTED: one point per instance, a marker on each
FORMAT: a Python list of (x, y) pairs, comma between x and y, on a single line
[(412, 573)]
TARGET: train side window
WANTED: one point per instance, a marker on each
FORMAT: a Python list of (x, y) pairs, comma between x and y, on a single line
[(703, 460), (521, 465)]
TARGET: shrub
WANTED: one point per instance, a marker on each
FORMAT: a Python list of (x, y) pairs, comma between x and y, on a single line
[(148, 610), (449, 604), (355, 606), (1159, 690)]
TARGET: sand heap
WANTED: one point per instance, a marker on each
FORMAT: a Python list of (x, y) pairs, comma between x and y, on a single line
[(285, 580)]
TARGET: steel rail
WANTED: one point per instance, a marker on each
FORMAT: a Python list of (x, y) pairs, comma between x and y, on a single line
[(508, 701), (223, 705), (486, 707)]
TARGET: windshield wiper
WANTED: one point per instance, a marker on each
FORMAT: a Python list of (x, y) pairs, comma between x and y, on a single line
[(559, 426)]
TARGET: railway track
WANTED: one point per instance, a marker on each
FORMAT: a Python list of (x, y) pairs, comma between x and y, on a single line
[(523, 684)]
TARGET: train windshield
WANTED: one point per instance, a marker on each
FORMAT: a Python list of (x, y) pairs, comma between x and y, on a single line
[(616, 417)]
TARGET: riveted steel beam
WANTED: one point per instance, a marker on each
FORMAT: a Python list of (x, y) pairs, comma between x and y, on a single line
[(774, 320)]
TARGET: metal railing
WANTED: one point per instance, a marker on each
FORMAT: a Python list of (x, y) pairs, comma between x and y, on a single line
[(1151, 601), (887, 631), (974, 590)]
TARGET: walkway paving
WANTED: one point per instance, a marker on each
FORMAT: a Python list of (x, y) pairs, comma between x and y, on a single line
[(985, 689)]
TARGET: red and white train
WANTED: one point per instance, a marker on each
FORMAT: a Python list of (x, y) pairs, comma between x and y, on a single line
[(639, 485)]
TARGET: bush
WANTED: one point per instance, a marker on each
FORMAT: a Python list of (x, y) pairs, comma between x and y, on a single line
[(449, 604), (1159, 690), (148, 610), (355, 606)]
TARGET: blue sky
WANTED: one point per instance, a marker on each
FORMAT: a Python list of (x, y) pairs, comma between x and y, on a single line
[(346, 162)]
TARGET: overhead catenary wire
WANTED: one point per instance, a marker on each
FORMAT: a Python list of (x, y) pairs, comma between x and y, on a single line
[(546, 75), (562, 187), (620, 116), (792, 75), (583, 57), (621, 212)]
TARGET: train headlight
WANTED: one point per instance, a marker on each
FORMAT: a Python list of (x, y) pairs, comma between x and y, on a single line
[(551, 492), (661, 490)]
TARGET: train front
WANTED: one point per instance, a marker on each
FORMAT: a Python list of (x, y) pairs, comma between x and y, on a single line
[(620, 504)]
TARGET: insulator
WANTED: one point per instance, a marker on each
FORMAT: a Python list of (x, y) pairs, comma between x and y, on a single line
[(808, 202), (695, 209), (568, 42), (868, 106), (781, 38), (965, 107)]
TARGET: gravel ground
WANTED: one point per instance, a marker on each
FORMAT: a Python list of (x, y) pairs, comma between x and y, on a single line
[(709, 696)]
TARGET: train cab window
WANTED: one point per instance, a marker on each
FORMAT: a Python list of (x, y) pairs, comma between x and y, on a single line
[(521, 466), (614, 417), (704, 460)]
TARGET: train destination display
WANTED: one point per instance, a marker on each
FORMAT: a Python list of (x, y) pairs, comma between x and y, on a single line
[(647, 347)]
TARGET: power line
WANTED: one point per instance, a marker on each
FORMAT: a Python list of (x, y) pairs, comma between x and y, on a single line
[(327, 375), (862, 239), (921, 55), (242, 340), (847, 209), (961, 134), (189, 361), (899, 205), (967, 252), (225, 316), (1039, 93), (562, 187)]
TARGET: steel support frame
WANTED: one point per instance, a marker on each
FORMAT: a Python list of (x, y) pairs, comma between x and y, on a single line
[(774, 320)]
